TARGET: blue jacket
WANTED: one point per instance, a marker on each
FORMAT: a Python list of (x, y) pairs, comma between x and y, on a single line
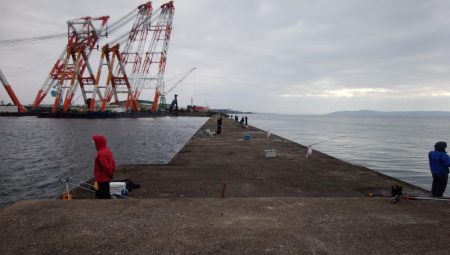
[(439, 162)]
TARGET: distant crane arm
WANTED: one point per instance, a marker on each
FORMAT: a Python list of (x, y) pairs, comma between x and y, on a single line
[(11, 93), (179, 81)]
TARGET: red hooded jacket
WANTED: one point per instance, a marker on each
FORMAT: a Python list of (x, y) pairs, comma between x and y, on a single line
[(104, 162)]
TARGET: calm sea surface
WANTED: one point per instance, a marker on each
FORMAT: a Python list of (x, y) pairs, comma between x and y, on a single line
[(36, 153), (395, 146)]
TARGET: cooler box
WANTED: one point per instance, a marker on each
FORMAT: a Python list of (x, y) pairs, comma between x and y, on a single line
[(247, 137), (118, 188), (271, 153)]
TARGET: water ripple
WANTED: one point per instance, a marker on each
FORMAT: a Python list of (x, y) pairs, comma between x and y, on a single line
[(36, 153), (396, 146)]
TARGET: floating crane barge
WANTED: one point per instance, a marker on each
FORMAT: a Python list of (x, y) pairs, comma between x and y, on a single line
[(133, 61)]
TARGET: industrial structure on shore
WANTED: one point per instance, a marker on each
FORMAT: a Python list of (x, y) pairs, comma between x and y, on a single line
[(128, 64)]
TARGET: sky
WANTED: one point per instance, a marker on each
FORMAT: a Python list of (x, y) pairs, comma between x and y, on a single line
[(291, 56)]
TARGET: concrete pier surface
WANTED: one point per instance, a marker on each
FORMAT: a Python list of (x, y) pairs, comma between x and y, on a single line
[(221, 195)]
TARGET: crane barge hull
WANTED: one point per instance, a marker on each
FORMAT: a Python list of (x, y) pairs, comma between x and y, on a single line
[(116, 115), (101, 115)]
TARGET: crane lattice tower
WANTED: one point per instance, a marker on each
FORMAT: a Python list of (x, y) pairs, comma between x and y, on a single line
[(156, 56), (122, 76), (68, 73)]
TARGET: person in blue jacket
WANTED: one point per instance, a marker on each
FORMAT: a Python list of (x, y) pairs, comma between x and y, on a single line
[(439, 163)]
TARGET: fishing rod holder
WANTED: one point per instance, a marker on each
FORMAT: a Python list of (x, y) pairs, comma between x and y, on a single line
[(396, 193)]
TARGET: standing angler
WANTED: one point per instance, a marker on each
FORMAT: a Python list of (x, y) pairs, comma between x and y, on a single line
[(219, 125), (104, 167), (439, 163)]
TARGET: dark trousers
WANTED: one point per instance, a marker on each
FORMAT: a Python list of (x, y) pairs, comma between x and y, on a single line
[(219, 129), (103, 191), (439, 185)]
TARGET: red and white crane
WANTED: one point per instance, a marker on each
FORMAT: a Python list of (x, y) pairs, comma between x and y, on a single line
[(141, 63), (69, 70), (11, 93), (155, 60), (122, 76)]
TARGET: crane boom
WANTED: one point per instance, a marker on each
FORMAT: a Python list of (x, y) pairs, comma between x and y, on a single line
[(127, 60), (179, 81), (156, 57), (162, 103), (10, 92)]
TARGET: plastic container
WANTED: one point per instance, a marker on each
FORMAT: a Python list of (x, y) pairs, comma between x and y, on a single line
[(271, 153), (118, 188)]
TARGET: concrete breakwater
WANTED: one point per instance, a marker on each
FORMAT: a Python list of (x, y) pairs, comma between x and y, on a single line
[(283, 205)]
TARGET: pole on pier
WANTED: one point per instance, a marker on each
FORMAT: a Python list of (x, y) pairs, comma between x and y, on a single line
[(222, 195)]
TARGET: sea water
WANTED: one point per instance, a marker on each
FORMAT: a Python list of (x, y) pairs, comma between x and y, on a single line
[(394, 145), (36, 153)]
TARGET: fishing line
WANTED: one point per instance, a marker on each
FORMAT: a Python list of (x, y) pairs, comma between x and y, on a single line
[(310, 149), (326, 140)]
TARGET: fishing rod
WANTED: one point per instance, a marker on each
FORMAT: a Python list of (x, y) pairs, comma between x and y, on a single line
[(80, 181), (78, 186), (67, 181), (409, 197), (92, 186), (310, 150), (426, 198)]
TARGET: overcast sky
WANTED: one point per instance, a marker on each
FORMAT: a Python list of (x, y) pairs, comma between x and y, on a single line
[(287, 56)]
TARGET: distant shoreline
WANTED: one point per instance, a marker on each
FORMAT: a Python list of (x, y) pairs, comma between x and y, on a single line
[(372, 113)]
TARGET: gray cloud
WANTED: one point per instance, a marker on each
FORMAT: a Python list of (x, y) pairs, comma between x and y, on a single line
[(270, 56)]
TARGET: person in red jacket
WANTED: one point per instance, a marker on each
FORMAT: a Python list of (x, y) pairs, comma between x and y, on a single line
[(104, 167)]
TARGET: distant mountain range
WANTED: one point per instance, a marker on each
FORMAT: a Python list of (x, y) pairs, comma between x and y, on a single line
[(396, 113), (230, 111)]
